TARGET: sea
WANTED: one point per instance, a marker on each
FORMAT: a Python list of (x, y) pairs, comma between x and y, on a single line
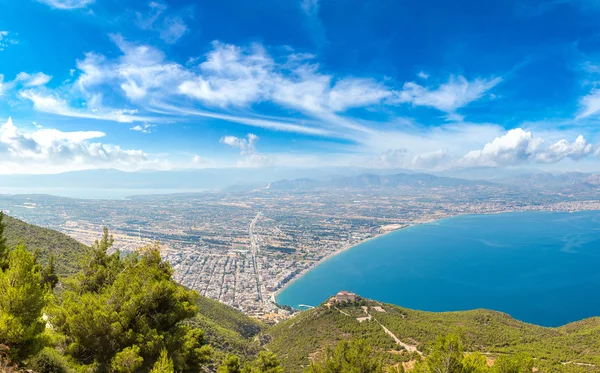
[(539, 267)]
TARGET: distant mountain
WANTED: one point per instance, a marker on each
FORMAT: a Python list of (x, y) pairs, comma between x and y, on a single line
[(65, 249), (217, 178), (372, 181), (570, 180), (593, 180)]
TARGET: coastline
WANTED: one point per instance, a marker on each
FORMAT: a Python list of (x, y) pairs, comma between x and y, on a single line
[(273, 296)]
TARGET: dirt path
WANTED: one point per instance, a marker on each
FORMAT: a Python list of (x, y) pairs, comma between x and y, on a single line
[(407, 347)]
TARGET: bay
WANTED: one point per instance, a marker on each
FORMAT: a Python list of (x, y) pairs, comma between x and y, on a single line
[(540, 267)]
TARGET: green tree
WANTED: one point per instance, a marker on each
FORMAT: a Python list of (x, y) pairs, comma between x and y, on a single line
[(231, 364), (355, 356), (164, 364), (475, 363), (125, 303), (99, 268), (49, 276), (519, 363), (22, 299), (3, 247), (266, 362), (445, 356), (128, 360)]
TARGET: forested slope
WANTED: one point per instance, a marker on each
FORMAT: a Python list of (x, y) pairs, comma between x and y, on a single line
[(65, 249)]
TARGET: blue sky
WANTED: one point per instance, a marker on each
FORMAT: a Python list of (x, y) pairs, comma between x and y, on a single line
[(426, 85)]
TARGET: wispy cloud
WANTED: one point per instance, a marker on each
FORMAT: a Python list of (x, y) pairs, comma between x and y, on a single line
[(173, 29), (143, 128), (448, 97), (6, 39), (33, 80), (52, 104), (590, 104), (314, 24), (67, 4), (169, 28)]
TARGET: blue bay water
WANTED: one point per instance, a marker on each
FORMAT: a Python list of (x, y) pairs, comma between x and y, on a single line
[(540, 267)]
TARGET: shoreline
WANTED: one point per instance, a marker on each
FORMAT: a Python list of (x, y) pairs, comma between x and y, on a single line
[(273, 297)]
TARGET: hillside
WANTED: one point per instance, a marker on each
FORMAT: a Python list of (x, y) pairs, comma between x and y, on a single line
[(227, 329), (66, 249), (571, 348)]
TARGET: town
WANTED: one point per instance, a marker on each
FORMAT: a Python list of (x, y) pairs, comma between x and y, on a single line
[(242, 248)]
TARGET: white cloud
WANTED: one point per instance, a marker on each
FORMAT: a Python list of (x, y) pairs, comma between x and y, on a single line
[(250, 157), (518, 146), (146, 21), (430, 159), (33, 80), (590, 104), (67, 4), (2, 85), (139, 72), (143, 128), (49, 103), (173, 29), (513, 148), (6, 40), (235, 76), (423, 75), (202, 162), (231, 76), (391, 158), (51, 150), (448, 97), (562, 149)]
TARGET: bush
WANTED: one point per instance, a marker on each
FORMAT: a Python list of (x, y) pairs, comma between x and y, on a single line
[(49, 361)]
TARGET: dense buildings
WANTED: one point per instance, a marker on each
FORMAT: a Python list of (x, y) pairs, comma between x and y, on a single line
[(241, 248)]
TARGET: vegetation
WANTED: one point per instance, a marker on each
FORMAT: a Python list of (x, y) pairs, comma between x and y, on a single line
[(67, 251), (126, 314), (313, 334)]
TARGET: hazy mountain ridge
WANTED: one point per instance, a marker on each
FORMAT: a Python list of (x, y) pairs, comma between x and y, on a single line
[(373, 181)]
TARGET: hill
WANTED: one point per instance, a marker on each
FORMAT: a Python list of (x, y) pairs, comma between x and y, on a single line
[(66, 250), (571, 348), (227, 330)]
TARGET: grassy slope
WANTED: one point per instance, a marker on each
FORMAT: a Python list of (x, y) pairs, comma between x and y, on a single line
[(490, 332), (66, 249)]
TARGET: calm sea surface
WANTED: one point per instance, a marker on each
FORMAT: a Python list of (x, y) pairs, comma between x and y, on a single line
[(539, 267)]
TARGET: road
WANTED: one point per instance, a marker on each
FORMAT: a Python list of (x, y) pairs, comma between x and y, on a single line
[(254, 250)]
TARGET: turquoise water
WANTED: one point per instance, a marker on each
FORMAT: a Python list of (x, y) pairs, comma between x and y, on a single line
[(539, 267)]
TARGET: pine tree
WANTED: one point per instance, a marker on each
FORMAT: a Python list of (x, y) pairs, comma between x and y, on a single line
[(22, 299), (49, 276), (231, 364), (164, 364)]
